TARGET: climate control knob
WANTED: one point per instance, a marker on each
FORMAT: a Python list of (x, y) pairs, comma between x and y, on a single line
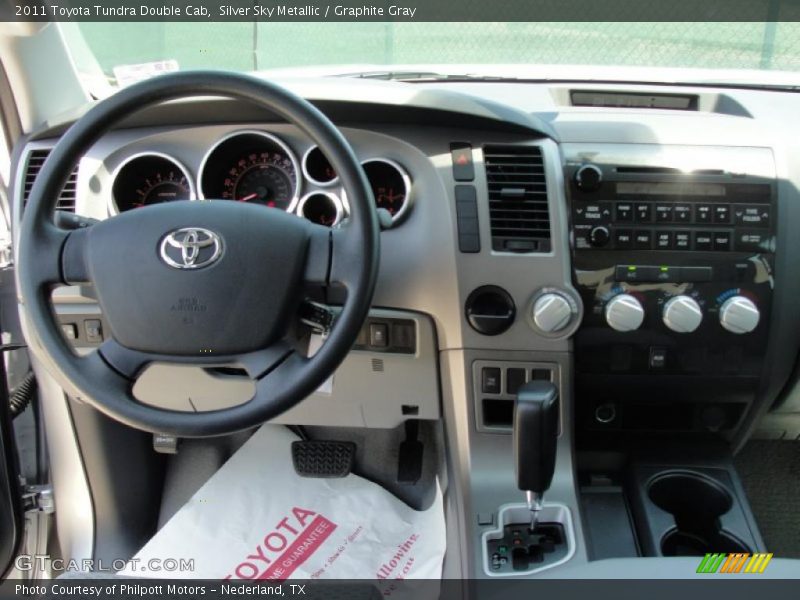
[(624, 313), (553, 312), (739, 315), (682, 314)]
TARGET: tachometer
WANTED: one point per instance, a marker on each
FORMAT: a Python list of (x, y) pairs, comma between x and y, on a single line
[(152, 178), (254, 167)]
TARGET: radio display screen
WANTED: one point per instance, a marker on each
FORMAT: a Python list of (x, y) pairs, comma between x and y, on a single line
[(670, 188)]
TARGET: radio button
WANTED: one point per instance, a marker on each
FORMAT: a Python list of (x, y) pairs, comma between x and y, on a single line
[(593, 212), (683, 240), (643, 239), (644, 212), (683, 213), (752, 215), (702, 213), (722, 213), (664, 240), (722, 241), (599, 237), (588, 178), (752, 241), (623, 239), (663, 213), (624, 211), (703, 240)]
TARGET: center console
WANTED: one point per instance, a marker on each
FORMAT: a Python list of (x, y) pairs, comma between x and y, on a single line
[(673, 256)]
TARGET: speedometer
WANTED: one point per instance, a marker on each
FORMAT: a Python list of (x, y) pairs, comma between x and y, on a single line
[(261, 178), (253, 167)]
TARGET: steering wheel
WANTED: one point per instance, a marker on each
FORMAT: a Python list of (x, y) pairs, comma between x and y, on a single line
[(195, 282)]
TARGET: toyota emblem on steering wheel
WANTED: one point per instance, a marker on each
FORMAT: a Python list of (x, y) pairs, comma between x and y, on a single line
[(191, 248)]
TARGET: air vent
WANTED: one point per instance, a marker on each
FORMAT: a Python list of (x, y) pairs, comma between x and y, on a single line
[(520, 218), (66, 200)]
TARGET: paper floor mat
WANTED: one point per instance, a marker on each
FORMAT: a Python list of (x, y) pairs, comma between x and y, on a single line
[(257, 519)]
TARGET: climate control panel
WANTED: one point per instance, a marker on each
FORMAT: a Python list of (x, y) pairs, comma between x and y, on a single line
[(682, 313)]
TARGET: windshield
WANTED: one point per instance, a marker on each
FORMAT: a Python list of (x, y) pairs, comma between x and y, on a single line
[(244, 46)]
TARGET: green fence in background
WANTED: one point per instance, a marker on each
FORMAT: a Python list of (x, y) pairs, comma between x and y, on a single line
[(249, 46)]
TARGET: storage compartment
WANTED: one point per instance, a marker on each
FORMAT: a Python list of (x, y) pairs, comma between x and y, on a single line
[(696, 502)]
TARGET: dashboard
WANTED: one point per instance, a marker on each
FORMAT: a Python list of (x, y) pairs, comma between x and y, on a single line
[(641, 258), (649, 247)]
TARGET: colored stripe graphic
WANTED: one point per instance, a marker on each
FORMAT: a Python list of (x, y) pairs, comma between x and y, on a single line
[(710, 563), (758, 563), (734, 562)]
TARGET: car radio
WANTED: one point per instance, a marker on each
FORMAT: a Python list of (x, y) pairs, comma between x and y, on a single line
[(675, 267), (716, 213)]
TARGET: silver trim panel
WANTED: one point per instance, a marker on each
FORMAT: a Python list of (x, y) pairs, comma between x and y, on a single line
[(520, 513)]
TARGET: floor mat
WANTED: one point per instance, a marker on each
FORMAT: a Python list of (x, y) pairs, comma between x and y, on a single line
[(256, 518), (770, 473)]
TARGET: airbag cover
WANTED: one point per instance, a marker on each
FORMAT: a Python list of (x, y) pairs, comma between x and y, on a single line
[(191, 302)]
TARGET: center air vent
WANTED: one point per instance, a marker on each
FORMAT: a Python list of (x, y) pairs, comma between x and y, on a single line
[(66, 200), (518, 209)]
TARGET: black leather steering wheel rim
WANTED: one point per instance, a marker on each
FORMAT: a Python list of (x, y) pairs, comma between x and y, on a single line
[(49, 256)]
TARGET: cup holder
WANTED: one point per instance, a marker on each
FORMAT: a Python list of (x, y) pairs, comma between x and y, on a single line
[(696, 502)]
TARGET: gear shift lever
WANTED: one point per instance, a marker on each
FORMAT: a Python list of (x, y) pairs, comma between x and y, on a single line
[(534, 439)]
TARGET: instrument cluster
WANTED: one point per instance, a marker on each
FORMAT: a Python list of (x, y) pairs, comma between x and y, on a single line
[(257, 167)]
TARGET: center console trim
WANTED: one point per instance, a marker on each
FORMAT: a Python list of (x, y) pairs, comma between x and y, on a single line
[(552, 512)]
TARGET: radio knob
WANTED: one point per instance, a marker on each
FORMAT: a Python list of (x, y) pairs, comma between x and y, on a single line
[(739, 315), (599, 236), (624, 313), (588, 178), (553, 311), (682, 314)]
